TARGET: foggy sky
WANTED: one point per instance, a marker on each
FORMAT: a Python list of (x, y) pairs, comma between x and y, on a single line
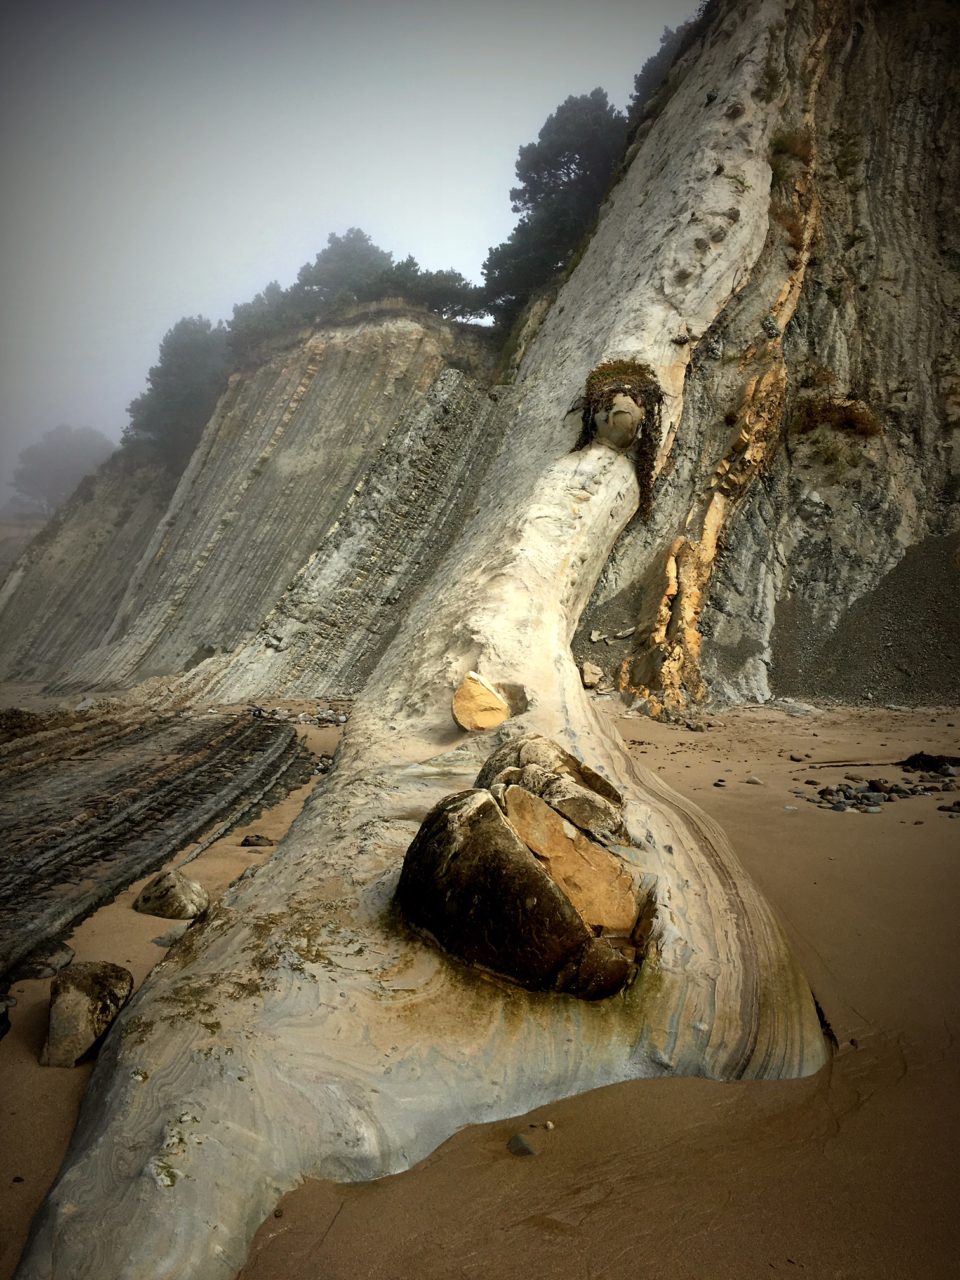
[(169, 159)]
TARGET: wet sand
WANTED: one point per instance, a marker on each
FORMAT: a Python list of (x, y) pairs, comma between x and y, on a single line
[(852, 1174)]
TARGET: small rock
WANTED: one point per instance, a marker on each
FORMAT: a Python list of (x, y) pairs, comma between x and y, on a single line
[(256, 842), (873, 808), (795, 758), (591, 675), (596, 637), (790, 808), (173, 897), (84, 1000), (519, 1146), (719, 783), (754, 781)]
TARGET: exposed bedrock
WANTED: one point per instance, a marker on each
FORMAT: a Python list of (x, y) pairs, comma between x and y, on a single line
[(63, 592), (819, 440), (300, 1030), (317, 499)]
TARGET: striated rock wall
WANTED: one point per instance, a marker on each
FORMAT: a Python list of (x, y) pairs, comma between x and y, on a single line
[(317, 498), (62, 594), (778, 517)]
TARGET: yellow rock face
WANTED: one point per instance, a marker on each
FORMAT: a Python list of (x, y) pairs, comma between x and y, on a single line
[(597, 883), (478, 705)]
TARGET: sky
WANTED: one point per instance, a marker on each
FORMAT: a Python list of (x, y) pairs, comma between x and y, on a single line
[(170, 159)]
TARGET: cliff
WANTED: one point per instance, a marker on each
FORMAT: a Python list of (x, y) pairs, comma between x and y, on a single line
[(62, 594), (321, 493)]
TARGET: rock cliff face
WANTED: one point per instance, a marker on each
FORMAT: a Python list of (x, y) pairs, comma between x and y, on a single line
[(316, 502), (62, 594), (819, 440)]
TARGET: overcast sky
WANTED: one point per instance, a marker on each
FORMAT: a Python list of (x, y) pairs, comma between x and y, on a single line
[(169, 159)]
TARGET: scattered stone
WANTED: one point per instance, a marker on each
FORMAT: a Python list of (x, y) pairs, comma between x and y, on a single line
[(172, 935), (596, 637), (591, 675), (720, 783), (173, 897), (519, 1146), (795, 758), (549, 1125), (754, 781), (84, 1000), (873, 808), (256, 842), (478, 704), (790, 808)]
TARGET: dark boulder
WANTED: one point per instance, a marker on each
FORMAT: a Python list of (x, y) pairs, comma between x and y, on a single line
[(470, 882)]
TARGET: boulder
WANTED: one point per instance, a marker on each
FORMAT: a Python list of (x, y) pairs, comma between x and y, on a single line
[(172, 896), (533, 748), (84, 1000), (478, 704), (470, 881), (596, 882), (578, 803), (591, 675)]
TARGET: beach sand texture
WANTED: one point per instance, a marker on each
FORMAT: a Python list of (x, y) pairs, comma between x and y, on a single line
[(851, 1174)]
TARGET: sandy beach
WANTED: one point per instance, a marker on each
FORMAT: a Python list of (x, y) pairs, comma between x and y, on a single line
[(850, 1174)]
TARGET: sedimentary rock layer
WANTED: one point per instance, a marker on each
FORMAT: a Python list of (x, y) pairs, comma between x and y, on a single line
[(62, 594), (820, 431), (91, 807)]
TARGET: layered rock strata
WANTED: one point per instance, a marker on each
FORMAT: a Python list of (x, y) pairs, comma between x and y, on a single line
[(819, 443)]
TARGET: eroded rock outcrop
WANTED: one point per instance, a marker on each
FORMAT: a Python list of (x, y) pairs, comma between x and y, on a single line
[(315, 995)]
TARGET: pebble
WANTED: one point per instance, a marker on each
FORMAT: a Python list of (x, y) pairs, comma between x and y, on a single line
[(795, 758), (720, 783), (790, 808), (754, 782)]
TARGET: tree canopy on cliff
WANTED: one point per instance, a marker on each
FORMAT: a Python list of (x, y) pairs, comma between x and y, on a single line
[(182, 390), (49, 471), (562, 180)]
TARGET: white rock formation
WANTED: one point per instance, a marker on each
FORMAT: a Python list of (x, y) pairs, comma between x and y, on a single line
[(299, 1031)]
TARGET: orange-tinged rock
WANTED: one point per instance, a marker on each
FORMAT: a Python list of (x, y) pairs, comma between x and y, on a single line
[(478, 704), (596, 882)]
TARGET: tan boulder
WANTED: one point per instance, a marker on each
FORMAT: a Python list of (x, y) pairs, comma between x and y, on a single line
[(618, 427), (596, 882), (591, 675), (172, 896), (84, 1000), (478, 704)]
